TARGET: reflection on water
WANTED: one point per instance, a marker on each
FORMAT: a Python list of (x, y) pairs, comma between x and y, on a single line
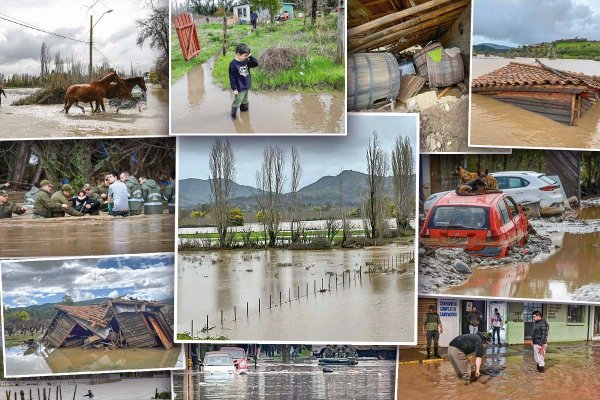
[(200, 106), (22, 361), (86, 236), (305, 381), (358, 311), (511, 374), (555, 276)]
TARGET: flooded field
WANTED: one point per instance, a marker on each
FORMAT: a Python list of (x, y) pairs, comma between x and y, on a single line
[(200, 106), (19, 360), (358, 309), (495, 123), (510, 373), (87, 236), (47, 121), (370, 379)]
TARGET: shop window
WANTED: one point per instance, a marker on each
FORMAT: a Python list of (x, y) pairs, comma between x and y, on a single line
[(575, 314)]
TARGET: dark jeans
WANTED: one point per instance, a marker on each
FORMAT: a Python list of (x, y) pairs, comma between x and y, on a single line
[(435, 335), (495, 331), (253, 23), (119, 213)]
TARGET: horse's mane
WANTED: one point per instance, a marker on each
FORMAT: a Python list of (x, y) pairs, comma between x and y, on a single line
[(107, 77)]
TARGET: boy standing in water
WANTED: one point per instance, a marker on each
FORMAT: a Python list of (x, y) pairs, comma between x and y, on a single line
[(239, 77)]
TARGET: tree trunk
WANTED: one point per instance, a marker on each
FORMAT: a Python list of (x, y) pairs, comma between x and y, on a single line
[(313, 12), (224, 32), (341, 50)]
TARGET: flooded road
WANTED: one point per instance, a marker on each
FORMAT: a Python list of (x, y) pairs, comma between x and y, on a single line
[(22, 361), (200, 106), (495, 123), (510, 373), (87, 235), (370, 379), (349, 312), (47, 121)]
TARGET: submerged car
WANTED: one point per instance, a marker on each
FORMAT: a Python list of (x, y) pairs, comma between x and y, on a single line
[(524, 187), (484, 225), (239, 356), (218, 363)]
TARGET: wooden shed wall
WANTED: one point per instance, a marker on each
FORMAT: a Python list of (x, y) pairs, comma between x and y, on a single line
[(136, 330), (62, 328)]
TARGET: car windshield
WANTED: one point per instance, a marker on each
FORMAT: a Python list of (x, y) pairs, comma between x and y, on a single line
[(460, 217), (214, 360), (547, 180), (235, 353)]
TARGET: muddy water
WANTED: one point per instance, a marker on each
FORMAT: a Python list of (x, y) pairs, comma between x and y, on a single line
[(571, 368), (22, 361), (200, 106), (359, 311), (370, 379), (86, 236), (47, 121), (501, 124), (555, 277)]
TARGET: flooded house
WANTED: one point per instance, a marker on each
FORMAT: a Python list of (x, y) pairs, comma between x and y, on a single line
[(559, 95), (116, 323)]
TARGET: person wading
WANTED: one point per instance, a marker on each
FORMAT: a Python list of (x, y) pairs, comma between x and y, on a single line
[(43, 206), (539, 339), (459, 349), (432, 328)]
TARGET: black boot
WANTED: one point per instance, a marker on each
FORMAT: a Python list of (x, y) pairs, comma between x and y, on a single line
[(436, 353), (233, 112), (538, 367), (542, 369), (244, 107), (428, 354)]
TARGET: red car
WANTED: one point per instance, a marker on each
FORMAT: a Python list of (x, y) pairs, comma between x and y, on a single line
[(484, 225), (240, 358)]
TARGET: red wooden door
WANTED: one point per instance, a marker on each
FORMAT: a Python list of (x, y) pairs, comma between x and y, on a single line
[(188, 36)]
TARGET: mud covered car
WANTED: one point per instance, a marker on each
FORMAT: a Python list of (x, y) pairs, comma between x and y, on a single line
[(218, 363), (240, 358), (484, 225)]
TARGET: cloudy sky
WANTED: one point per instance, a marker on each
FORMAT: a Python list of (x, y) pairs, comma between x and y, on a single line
[(148, 277), (114, 35), (518, 22), (319, 156)]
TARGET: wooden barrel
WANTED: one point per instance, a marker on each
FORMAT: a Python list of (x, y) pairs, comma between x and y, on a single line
[(420, 58), (372, 78), (448, 71)]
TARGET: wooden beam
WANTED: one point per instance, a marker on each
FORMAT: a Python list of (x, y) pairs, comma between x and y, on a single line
[(422, 38), (573, 100), (372, 3), (361, 20), (356, 42), (397, 16)]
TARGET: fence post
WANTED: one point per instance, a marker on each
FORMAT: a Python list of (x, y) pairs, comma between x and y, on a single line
[(234, 314), (307, 290), (221, 318), (270, 301), (298, 292), (280, 298), (259, 305), (247, 312), (207, 325), (289, 295), (192, 331)]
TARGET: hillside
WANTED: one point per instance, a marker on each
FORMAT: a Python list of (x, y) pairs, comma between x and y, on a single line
[(567, 49), (193, 192), (490, 47)]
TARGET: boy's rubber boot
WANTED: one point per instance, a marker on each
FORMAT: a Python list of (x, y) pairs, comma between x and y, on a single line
[(244, 107), (233, 112)]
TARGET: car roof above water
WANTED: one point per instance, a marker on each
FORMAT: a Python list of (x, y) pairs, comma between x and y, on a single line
[(453, 199)]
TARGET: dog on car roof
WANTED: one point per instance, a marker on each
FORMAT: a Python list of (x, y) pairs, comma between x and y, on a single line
[(472, 188), (466, 176)]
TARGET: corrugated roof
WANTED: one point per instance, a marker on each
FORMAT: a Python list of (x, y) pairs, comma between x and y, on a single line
[(94, 313), (518, 74)]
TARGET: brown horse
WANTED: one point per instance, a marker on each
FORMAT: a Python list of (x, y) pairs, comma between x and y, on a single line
[(88, 92), (116, 91)]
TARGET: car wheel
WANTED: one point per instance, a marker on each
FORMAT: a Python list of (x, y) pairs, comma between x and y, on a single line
[(382, 355)]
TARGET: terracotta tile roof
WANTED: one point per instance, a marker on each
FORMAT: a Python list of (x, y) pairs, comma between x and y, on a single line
[(94, 313), (527, 74)]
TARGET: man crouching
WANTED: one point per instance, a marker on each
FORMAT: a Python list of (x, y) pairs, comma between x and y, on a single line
[(459, 349)]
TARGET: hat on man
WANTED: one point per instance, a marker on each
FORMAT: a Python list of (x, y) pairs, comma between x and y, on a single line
[(3, 193), (87, 186), (66, 188), (46, 182)]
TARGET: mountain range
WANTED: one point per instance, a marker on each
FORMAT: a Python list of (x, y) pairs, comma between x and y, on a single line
[(482, 47)]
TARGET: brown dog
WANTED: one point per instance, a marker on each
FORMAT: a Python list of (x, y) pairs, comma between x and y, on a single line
[(472, 188), (466, 176)]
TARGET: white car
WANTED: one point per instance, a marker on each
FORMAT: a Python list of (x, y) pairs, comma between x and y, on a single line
[(218, 363), (524, 187)]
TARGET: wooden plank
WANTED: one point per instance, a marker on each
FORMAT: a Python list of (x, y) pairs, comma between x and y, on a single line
[(161, 334), (573, 99), (410, 86)]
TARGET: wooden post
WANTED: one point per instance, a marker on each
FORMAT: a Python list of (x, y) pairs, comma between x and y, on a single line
[(75, 392), (270, 301), (573, 100), (207, 325), (192, 330), (234, 313), (298, 292), (289, 295), (307, 290), (259, 305), (280, 298), (221, 318), (247, 312)]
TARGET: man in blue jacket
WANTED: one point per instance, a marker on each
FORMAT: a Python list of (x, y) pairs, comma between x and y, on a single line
[(239, 77)]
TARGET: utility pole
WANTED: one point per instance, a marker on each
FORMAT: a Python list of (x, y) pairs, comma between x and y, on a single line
[(91, 45)]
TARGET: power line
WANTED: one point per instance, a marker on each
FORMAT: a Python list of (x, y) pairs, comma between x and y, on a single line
[(27, 25), (110, 62)]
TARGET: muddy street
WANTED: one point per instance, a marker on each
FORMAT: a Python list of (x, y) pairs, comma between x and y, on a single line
[(48, 121), (232, 278), (510, 373), (87, 236), (370, 379), (200, 106)]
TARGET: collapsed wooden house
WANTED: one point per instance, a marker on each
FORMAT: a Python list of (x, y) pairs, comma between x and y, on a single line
[(118, 322), (559, 95)]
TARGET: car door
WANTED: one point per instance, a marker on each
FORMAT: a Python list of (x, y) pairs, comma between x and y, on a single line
[(518, 219), (509, 229), (517, 187)]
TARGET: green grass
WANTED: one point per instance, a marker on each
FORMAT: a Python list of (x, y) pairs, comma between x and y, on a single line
[(580, 50), (19, 339)]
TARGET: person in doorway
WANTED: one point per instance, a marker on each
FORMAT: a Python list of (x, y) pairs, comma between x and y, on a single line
[(432, 327), (240, 78), (8, 208), (459, 349), (253, 18), (117, 197), (496, 322), (539, 339), (474, 318)]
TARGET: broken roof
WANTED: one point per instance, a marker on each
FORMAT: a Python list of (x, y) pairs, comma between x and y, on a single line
[(97, 313)]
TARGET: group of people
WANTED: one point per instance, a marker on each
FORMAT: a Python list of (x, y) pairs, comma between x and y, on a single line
[(464, 345), (121, 195)]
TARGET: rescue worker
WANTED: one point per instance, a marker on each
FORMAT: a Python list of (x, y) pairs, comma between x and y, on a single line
[(62, 196), (169, 193), (432, 327), (8, 208), (117, 199), (134, 190), (152, 197), (459, 349), (43, 206)]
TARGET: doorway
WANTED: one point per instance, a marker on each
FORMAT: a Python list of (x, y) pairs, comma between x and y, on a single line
[(502, 307), (466, 307), (596, 329), (528, 309)]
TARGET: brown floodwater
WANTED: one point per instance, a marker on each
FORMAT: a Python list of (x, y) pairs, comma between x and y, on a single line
[(21, 361), (495, 123), (509, 373), (356, 311), (305, 380), (555, 276), (47, 121), (86, 236), (198, 105)]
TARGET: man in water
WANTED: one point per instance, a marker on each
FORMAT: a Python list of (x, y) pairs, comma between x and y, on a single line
[(432, 327), (2, 93), (459, 349), (539, 339), (117, 198), (89, 394)]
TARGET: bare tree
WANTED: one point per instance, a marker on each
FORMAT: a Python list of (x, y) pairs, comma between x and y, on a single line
[(155, 30), (295, 181), (332, 226), (313, 11), (44, 60), (377, 168), (269, 182), (345, 223), (402, 171), (221, 163)]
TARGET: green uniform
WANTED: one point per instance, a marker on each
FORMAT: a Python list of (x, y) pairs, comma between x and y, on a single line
[(134, 190), (44, 206), (169, 196), (59, 197), (7, 209), (152, 197)]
